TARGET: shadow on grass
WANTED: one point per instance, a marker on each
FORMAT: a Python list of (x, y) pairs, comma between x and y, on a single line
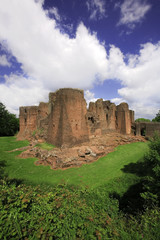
[(131, 202), (141, 168), (14, 181), (2, 167), (3, 175)]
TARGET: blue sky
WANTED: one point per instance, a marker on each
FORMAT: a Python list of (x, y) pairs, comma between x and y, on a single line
[(108, 48)]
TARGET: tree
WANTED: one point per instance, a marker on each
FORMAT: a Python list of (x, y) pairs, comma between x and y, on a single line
[(157, 118), (142, 120), (9, 124)]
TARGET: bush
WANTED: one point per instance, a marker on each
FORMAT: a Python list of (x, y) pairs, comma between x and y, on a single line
[(152, 182), (66, 212), (60, 213)]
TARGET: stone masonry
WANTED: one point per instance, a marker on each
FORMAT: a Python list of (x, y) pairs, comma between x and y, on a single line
[(66, 121)]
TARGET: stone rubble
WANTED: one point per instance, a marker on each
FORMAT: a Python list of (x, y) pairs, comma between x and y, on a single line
[(63, 158)]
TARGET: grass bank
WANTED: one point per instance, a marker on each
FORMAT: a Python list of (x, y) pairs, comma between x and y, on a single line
[(107, 170), (69, 212)]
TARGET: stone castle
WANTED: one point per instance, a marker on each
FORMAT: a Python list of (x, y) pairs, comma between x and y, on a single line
[(66, 121)]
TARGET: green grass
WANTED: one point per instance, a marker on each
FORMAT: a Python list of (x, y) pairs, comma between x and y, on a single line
[(67, 212), (45, 145), (107, 170)]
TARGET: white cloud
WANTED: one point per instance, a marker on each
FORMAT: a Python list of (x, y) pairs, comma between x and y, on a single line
[(140, 78), (54, 11), (49, 57), (97, 9), (89, 96), (117, 101), (4, 62), (41, 2), (52, 60), (133, 11), (21, 91)]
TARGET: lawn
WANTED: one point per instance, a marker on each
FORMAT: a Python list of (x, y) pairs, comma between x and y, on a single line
[(71, 212), (107, 170)]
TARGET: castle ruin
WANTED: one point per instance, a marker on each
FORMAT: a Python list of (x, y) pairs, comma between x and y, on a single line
[(66, 121)]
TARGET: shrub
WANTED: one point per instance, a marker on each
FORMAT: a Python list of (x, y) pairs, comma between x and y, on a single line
[(60, 213), (152, 182)]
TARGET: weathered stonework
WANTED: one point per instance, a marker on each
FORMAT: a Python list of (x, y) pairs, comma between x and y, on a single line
[(147, 129), (32, 118), (67, 123), (65, 120)]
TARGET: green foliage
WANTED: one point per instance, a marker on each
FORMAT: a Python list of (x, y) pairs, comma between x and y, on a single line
[(45, 145), (34, 133), (59, 213), (152, 182), (9, 124), (157, 118), (142, 120), (66, 211)]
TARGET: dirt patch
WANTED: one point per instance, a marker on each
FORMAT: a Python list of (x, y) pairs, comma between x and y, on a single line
[(63, 158)]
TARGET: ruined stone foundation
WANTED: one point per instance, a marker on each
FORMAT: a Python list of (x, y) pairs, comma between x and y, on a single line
[(66, 121)]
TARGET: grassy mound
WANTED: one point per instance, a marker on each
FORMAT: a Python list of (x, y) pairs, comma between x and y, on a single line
[(99, 173)]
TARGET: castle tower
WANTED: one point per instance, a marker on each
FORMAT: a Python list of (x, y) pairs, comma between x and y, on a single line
[(124, 118), (67, 123)]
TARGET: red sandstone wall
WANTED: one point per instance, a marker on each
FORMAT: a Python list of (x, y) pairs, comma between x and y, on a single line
[(42, 117), (149, 128), (32, 118), (67, 123), (101, 117), (123, 118), (28, 121)]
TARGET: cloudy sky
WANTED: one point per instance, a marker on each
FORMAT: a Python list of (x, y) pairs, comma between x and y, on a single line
[(108, 48)]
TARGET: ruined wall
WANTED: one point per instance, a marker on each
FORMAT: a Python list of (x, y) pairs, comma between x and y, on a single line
[(124, 118), (27, 121), (67, 123), (147, 129), (42, 116), (104, 116), (32, 118), (65, 120), (101, 117)]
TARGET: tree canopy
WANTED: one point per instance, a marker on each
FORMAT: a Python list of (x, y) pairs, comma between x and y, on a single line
[(157, 118), (9, 124), (142, 120)]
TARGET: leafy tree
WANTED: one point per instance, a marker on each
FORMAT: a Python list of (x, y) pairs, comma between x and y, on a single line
[(157, 118), (152, 182), (9, 124), (142, 120)]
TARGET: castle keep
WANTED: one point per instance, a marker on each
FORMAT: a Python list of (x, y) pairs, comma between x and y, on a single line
[(66, 121)]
